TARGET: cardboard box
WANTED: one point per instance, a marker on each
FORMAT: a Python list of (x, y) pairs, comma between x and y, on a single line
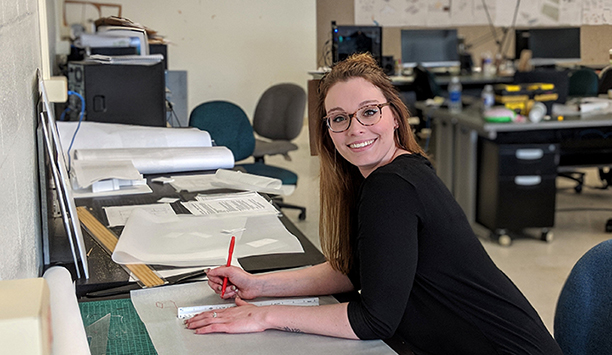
[(25, 317)]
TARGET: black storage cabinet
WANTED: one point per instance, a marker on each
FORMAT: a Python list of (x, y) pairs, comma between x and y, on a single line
[(516, 186)]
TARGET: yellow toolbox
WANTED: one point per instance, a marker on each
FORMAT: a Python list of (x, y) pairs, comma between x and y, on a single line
[(520, 97)]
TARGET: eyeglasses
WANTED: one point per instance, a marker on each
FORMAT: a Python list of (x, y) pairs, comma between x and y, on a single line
[(367, 116)]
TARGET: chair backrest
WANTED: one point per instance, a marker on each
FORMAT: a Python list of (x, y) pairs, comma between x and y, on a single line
[(279, 114), (583, 83), (583, 318), (560, 78), (605, 80), (228, 126), (424, 83)]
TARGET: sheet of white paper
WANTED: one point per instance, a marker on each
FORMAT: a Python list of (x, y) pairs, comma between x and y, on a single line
[(249, 203), (118, 215), (250, 182), (89, 171), (185, 240), (158, 308), (168, 199), (123, 190), (193, 183), (230, 179), (165, 160)]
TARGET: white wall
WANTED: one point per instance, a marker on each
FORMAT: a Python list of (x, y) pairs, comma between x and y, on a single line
[(19, 217), (233, 49)]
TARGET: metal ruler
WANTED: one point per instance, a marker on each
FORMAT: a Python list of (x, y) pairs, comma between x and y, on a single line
[(189, 312)]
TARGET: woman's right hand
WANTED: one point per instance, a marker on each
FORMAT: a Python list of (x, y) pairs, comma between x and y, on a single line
[(239, 282)]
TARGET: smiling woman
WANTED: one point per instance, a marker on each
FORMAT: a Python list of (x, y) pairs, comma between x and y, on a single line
[(366, 146), (390, 229)]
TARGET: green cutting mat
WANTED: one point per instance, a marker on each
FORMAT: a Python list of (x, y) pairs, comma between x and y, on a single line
[(127, 334)]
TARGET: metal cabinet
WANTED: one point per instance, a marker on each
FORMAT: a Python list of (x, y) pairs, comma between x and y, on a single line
[(516, 187)]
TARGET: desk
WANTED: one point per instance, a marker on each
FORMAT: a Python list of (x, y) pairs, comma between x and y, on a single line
[(132, 337), (104, 273), (468, 81), (465, 144)]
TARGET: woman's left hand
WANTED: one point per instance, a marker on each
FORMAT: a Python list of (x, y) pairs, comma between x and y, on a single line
[(244, 318)]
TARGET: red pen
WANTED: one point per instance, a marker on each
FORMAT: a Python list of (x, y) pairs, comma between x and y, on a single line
[(229, 262)]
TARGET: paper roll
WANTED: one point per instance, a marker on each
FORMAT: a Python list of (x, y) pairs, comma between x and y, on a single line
[(165, 160), (96, 135), (69, 335)]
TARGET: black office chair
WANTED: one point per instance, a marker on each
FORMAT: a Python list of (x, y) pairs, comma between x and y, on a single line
[(424, 83), (583, 82), (605, 80), (582, 315)]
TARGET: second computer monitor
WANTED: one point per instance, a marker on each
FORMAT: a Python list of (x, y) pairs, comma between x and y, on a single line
[(549, 45), (430, 48), (347, 40)]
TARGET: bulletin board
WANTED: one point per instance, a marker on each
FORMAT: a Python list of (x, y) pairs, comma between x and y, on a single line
[(453, 13)]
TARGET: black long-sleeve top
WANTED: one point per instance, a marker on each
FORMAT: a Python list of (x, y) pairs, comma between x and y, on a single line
[(424, 275)]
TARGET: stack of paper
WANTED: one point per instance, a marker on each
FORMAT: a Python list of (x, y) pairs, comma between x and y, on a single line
[(203, 239)]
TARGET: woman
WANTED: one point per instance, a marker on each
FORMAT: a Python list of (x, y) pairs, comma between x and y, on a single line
[(391, 229)]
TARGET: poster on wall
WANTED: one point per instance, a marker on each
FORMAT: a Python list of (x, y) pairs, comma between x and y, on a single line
[(391, 12), (502, 13), (484, 12), (462, 12), (597, 12), (539, 13), (438, 13)]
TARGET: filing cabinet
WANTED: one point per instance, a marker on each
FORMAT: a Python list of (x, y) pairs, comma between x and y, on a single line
[(516, 187)]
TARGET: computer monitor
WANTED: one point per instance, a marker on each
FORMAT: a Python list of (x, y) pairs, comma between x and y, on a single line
[(430, 48), (549, 46), (347, 40)]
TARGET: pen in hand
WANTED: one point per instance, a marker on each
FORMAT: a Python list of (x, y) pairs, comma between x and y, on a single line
[(229, 262)]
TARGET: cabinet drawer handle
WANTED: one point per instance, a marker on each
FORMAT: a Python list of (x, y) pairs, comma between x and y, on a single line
[(529, 154), (529, 180)]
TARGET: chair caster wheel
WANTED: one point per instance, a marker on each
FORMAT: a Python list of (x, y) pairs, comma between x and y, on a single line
[(302, 216), (501, 237), (504, 240), (609, 226), (547, 235)]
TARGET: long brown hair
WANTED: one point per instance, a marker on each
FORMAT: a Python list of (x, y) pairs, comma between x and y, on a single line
[(339, 179)]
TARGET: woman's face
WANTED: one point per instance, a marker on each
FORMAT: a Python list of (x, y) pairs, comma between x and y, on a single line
[(366, 147)]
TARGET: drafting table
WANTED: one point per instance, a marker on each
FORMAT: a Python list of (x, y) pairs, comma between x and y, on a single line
[(104, 273), (464, 144)]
